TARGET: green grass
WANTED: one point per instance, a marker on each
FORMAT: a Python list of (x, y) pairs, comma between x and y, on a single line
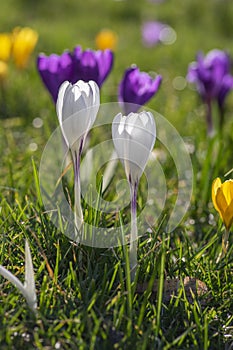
[(85, 297)]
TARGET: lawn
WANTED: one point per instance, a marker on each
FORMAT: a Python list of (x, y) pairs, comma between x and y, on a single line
[(86, 299)]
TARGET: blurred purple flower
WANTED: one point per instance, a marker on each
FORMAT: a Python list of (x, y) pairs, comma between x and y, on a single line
[(209, 72), (54, 70), (91, 65), (136, 88), (151, 33), (211, 75)]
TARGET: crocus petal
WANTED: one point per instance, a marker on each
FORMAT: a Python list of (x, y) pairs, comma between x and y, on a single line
[(221, 202), (5, 46), (105, 63), (227, 86), (60, 99), (215, 186), (91, 65), (54, 70), (227, 189), (228, 216)]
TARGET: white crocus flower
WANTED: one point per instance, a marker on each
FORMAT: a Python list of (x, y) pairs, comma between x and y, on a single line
[(28, 288), (77, 107), (134, 137)]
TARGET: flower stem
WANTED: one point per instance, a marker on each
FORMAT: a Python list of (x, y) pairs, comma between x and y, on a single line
[(78, 213), (134, 230), (209, 120), (225, 244), (221, 116)]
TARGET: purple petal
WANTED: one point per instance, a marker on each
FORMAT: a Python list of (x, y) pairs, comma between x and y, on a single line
[(136, 88), (54, 70), (92, 65)]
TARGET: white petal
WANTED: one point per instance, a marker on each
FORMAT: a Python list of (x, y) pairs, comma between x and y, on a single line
[(83, 87), (131, 121), (60, 100)]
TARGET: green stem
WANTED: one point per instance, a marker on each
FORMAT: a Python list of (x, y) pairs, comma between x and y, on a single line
[(209, 120), (78, 213), (224, 247), (134, 230)]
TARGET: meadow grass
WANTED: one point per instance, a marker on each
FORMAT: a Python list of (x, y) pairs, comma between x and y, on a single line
[(85, 296)]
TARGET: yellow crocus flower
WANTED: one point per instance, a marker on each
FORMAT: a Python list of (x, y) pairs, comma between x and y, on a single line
[(106, 39), (222, 197), (3, 71), (5, 46), (24, 42)]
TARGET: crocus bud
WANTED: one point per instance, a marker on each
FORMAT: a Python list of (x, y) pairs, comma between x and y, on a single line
[(92, 65), (54, 70), (137, 88), (134, 137), (77, 107), (222, 197), (24, 42)]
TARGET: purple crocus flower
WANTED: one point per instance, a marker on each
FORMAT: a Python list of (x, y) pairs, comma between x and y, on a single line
[(151, 33), (91, 65), (211, 74), (54, 70), (136, 88)]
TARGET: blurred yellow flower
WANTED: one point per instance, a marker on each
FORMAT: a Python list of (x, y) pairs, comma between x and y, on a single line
[(5, 46), (3, 71), (24, 42), (106, 39), (222, 197)]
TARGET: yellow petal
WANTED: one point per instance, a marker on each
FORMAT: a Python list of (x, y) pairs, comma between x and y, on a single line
[(228, 216), (5, 46), (221, 204), (215, 186), (24, 41), (227, 188), (106, 39)]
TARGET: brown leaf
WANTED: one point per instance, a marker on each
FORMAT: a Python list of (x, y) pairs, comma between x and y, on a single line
[(192, 287)]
